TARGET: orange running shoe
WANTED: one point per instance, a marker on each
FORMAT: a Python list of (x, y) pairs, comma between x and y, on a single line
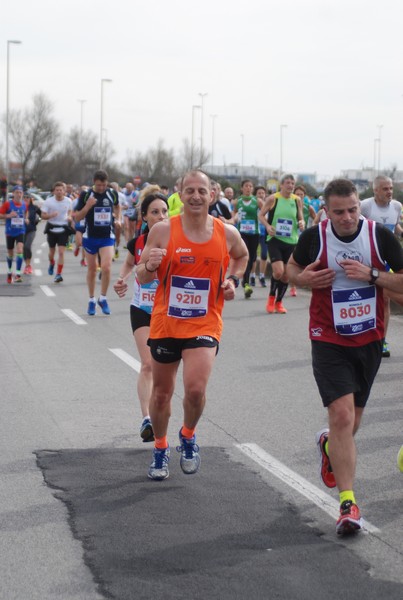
[(325, 470), (270, 308), (293, 291), (350, 519), (280, 308)]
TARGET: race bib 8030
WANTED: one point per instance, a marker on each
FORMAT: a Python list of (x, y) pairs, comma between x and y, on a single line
[(354, 310)]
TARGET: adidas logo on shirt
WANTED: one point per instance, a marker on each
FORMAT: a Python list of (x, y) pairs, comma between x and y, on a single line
[(190, 285), (355, 296)]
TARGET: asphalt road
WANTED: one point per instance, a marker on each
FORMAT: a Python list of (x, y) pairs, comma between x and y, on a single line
[(79, 518)]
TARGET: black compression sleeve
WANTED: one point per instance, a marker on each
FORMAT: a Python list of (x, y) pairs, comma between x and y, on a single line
[(307, 248), (389, 247)]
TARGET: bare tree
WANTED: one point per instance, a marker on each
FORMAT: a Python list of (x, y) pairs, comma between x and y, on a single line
[(185, 158), (33, 134), (156, 165), (140, 165), (391, 172), (74, 160), (188, 159), (85, 149)]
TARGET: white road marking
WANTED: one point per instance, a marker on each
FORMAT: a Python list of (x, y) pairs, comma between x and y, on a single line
[(72, 315), (39, 251), (298, 483), (129, 360), (47, 291), (44, 244), (38, 272), (36, 261)]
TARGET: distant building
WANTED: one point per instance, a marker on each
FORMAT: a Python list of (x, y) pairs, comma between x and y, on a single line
[(363, 178), (309, 178), (236, 172)]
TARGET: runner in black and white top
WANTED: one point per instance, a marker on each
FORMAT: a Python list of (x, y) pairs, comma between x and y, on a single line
[(219, 209), (57, 211), (123, 206), (154, 208), (100, 208), (130, 211), (383, 209)]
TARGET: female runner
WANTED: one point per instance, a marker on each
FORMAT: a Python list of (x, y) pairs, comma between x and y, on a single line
[(153, 209)]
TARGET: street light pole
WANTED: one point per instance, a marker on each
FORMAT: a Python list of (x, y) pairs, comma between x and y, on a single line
[(376, 140), (102, 121), (242, 153), (202, 126), (81, 122), (193, 133), (379, 147), (8, 107), (282, 126), (213, 117)]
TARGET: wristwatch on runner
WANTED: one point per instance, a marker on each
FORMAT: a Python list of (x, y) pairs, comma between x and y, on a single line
[(235, 279), (374, 275)]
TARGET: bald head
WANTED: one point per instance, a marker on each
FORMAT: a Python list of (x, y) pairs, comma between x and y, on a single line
[(196, 173), (383, 190), (378, 181)]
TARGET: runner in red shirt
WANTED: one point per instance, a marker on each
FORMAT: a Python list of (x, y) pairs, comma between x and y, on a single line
[(343, 260)]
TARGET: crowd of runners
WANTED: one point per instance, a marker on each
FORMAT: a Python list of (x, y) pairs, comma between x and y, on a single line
[(191, 249)]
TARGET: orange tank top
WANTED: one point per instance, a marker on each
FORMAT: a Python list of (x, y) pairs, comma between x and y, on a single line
[(189, 299)]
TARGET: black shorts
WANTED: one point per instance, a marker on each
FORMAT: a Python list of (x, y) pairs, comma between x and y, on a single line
[(341, 370), (139, 318), (279, 250), (13, 240), (59, 239), (169, 350)]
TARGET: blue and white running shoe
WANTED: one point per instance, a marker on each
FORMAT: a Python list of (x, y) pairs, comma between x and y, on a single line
[(190, 457), (105, 306), (158, 469)]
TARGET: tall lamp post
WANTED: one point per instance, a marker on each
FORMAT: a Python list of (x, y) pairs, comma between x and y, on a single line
[(376, 140), (8, 106), (194, 107), (81, 122), (102, 121), (282, 127), (213, 117), (379, 147), (242, 153), (202, 126)]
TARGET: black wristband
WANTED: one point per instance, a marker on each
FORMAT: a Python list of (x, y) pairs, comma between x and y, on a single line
[(148, 270), (235, 279)]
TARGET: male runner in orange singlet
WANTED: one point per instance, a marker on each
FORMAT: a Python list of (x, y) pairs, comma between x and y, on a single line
[(192, 253)]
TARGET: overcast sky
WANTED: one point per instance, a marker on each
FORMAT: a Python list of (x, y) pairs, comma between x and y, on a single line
[(332, 71)]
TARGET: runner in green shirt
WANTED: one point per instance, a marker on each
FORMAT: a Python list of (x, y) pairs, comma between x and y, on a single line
[(284, 220), (246, 213)]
